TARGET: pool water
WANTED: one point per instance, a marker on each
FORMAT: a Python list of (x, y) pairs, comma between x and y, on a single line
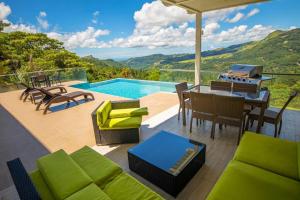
[(128, 88)]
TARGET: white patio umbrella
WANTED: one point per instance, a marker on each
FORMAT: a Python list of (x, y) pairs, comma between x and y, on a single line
[(198, 7)]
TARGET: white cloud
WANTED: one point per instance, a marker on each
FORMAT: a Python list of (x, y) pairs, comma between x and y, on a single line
[(20, 27), (220, 15), (211, 28), (239, 34), (4, 11), (253, 12), (95, 17), (84, 39), (236, 18), (43, 14), (155, 14), (43, 23)]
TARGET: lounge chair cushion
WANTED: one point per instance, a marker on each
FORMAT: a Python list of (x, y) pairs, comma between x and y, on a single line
[(101, 169), (91, 192), (128, 112), (298, 151), (247, 182), (125, 187), (40, 185), (103, 113), (122, 123), (62, 174), (278, 156)]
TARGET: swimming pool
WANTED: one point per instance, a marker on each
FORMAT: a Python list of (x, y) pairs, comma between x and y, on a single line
[(128, 88)]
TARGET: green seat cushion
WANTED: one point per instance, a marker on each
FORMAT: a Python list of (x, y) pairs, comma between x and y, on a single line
[(125, 187), (40, 185), (122, 123), (128, 112), (62, 174), (101, 169), (276, 155), (90, 192), (247, 182), (103, 113)]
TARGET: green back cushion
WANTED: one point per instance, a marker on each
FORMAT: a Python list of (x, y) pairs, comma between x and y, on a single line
[(103, 113), (62, 175), (40, 185), (128, 112), (91, 192), (125, 187), (241, 181), (276, 155), (98, 167), (122, 123)]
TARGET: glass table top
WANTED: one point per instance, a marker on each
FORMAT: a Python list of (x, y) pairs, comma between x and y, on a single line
[(167, 151)]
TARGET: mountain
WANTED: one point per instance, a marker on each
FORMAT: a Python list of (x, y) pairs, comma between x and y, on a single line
[(278, 52), (104, 63), (160, 59)]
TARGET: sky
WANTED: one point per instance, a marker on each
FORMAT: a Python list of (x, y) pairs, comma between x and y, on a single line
[(120, 29)]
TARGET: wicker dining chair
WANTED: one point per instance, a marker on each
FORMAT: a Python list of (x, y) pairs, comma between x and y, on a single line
[(271, 116), (230, 111), (244, 87), (203, 108), (179, 89), (220, 85)]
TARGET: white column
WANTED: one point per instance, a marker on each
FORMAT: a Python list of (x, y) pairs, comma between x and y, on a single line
[(198, 25)]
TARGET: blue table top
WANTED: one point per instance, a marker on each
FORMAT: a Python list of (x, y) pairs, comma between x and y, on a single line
[(164, 150)]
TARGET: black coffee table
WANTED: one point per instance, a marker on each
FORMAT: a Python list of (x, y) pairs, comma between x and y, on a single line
[(167, 160)]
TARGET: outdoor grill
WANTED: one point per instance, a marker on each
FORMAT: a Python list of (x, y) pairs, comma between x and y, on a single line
[(244, 73)]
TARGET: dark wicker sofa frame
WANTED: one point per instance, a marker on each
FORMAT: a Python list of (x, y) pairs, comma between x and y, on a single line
[(22, 181), (116, 136)]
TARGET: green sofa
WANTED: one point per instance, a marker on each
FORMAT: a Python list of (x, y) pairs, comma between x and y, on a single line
[(82, 175), (118, 122), (262, 168)]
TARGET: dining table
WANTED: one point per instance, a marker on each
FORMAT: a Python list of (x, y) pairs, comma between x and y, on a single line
[(258, 99)]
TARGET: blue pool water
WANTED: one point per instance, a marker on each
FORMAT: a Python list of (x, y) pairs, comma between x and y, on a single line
[(128, 88)]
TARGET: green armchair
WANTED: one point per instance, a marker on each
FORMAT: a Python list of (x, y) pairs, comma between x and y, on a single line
[(118, 122)]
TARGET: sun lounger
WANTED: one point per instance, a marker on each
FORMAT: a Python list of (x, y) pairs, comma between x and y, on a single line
[(51, 98), (26, 93)]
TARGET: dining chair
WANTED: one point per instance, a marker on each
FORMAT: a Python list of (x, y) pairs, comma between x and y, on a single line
[(220, 85), (230, 111), (244, 87), (271, 116), (203, 108), (179, 90)]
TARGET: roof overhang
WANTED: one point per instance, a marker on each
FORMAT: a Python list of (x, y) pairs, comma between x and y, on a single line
[(196, 6)]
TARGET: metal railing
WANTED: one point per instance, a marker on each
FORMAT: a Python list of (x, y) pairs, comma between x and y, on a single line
[(281, 86), (9, 82)]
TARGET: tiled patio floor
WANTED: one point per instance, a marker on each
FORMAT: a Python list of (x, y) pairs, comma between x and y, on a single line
[(29, 134)]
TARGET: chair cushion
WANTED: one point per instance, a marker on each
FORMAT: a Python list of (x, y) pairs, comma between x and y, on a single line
[(122, 123), (91, 192), (276, 155), (128, 112), (62, 174), (247, 182), (298, 152), (101, 169), (40, 185), (125, 187), (103, 113)]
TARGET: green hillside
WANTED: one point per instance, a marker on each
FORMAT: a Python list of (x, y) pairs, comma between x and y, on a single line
[(278, 52)]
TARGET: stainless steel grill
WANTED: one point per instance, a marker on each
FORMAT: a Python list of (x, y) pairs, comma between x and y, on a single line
[(244, 73)]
